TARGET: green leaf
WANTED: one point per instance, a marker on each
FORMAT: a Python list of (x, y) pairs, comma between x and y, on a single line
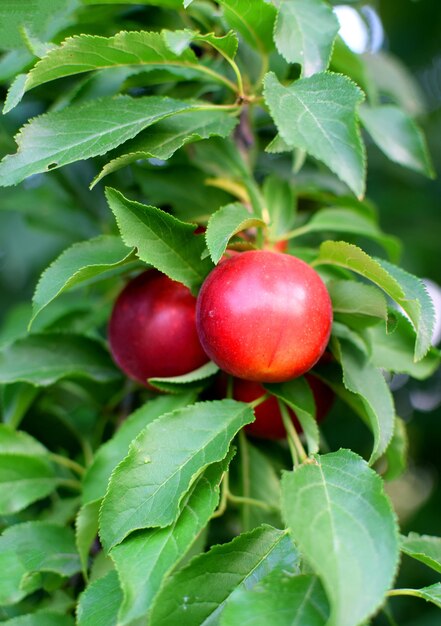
[(254, 21), (150, 50), (198, 593), (417, 304), (298, 396), (24, 479), (304, 33), (352, 298), (113, 452), (343, 254), (281, 204), (280, 598), (193, 380), (169, 185), (178, 40), (423, 548), (343, 220), (344, 526), (80, 265), (99, 603), (15, 93), (407, 290), (393, 351), (26, 550), (318, 114), (346, 61), (16, 400), (365, 380), (394, 80), (397, 451), (41, 618), (221, 158), (163, 139), (45, 358), (81, 131), (398, 136), (86, 529), (18, 442), (42, 18), (226, 222), (144, 559), (161, 240), (146, 489)]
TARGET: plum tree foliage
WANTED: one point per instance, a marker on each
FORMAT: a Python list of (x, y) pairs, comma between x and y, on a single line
[(160, 142)]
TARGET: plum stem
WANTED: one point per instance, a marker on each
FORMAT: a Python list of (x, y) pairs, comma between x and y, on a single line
[(255, 403), (293, 437), (245, 468), (65, 462)]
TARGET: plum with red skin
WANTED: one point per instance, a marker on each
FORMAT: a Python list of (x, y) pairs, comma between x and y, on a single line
[(152, 329), (268, 423), (264, 316)]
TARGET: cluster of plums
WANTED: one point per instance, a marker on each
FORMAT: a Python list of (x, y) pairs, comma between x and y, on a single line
[(261, 316)]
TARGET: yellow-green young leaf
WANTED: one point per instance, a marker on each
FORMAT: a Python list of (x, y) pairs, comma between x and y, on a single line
[(32, 548), (226, 222), (163, 139), (298, 396), (282, 598), (398, 136), (45, 358), (161, 240), (198, 593), (319, 115), (99, 603), (365, 380), (144, 559), (253, 20), (80, 131), (79, 265), (423, 548), (24, 479), (146, 489), (344, 526), (304, 33), (149, 50), (113, 451)]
